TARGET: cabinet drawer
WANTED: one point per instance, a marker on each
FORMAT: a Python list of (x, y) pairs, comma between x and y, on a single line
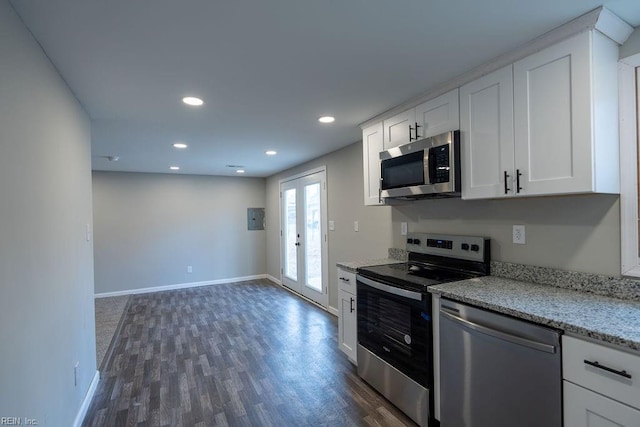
[(584, 408), (347, 281), (602, 369)]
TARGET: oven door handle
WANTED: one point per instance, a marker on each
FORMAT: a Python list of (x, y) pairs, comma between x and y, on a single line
[(390, 289)]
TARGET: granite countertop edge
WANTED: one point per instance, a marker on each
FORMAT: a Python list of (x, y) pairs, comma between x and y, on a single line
[(353, 266), (547, 305)]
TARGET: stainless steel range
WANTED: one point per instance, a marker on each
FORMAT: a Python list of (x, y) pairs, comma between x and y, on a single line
[(395, 346)]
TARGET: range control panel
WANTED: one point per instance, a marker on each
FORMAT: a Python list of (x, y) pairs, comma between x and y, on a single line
[(463, 247)]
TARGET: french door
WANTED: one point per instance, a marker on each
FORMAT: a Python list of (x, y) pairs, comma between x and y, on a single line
[(303, 207)]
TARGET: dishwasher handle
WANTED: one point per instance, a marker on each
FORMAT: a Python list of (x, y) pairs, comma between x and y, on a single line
[(497, 334)]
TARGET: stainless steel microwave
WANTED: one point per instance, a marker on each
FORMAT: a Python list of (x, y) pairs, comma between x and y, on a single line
[(429, 167)]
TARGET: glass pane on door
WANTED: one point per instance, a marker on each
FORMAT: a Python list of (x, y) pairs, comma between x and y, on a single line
[(290, 234), (313, 237)]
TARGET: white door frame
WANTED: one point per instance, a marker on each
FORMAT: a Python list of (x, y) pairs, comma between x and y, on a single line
[(324, 225)]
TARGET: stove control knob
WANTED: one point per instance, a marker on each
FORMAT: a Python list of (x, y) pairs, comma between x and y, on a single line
[(409, 241), (416, 241), (475, 248), (464, 246)]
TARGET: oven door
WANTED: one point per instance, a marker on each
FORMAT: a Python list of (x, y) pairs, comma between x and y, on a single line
[(395, 325)]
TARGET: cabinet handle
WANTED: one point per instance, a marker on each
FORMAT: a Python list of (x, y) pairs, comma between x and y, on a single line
[(351, 301), (410, 135), (380, 192), (606, 368), (417, 126), (344, 279), (506, 188), (518, 175)]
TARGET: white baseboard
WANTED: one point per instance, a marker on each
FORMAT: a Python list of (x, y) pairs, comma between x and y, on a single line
[(274, 280), (180, 286), (333, 311), (82, 412)]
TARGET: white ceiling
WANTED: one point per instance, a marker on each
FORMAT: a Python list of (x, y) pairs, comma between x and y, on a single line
[(267, 69)]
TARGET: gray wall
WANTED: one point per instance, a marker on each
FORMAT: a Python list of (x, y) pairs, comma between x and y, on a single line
[(345, 200), (580, 233), (150, 227), (46, 263)]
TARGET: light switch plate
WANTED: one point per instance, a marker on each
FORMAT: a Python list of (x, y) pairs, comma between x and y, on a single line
[(332, 225), (403, 228)]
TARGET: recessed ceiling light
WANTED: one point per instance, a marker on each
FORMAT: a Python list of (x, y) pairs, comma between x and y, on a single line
[(327, 119), (174, 168), (193, 101), (271, 152), (180, 145), (240, 171)]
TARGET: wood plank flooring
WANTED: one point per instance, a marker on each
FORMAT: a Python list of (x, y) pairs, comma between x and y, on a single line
[(237, 354)]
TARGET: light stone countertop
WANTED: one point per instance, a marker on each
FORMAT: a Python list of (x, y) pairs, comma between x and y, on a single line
[(353, 266), (603, 318)]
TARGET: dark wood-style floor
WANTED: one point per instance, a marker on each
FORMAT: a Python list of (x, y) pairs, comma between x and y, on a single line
[(238, 354)]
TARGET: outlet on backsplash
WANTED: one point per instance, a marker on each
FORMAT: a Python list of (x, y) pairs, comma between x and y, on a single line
[(519, 235)]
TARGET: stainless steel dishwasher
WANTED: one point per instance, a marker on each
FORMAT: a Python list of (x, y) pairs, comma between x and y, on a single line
[(497, 371)]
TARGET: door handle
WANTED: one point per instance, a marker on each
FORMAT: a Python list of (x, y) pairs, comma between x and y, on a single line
[(518, 175), (498, 334), (595, 364), (506, 177)]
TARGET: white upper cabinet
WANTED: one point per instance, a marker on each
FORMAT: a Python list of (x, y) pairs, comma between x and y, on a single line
[(561, 121), (486, 135), (566, 113), (371, 148), (398, 129), (438, 115)]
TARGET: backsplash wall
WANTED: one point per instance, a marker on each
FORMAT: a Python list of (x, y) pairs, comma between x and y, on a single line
[(579, 233)]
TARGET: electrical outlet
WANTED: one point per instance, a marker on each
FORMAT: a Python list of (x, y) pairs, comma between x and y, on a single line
[(332, 225), (519, 235), (403, 228), (189, 269), (355, 226)]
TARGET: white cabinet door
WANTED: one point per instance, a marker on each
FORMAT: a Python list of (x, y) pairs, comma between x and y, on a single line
[(396, 129), (553, 120), (371, 148), (347, 334), (584, 408), (438, 115), (486, 128)]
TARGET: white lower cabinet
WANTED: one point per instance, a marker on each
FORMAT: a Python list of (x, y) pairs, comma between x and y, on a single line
[(584, 408), (601, 385), (347, 311)]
